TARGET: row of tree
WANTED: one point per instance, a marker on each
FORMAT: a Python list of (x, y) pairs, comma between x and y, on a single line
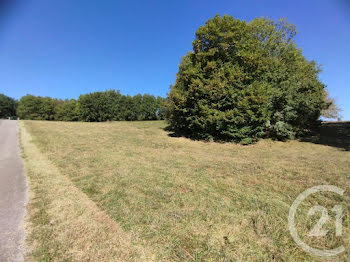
[(109, 105), (242, 81)]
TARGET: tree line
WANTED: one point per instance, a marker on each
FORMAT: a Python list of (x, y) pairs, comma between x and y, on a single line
[(241, 82), (109, 105)]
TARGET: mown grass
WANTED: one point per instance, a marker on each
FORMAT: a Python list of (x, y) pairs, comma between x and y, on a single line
[(63, 224), (189, 200)]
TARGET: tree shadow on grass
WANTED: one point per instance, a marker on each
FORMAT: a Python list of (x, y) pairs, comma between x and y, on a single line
[(175, 133), (336, 134)]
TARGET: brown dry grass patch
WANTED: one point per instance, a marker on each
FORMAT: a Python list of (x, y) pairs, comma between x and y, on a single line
[(192, 200), (63, 223)]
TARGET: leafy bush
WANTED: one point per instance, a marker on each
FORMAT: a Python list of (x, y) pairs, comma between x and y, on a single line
[(244, 81), (7, 106)]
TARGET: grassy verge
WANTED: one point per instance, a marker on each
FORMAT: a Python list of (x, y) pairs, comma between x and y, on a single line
[(63, 223), (188, 200)]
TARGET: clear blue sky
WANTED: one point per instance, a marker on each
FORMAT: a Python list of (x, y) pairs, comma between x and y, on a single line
[(63, 48)]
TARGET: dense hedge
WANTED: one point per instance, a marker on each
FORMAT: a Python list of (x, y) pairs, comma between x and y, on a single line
[(94, 107), (243, 81)]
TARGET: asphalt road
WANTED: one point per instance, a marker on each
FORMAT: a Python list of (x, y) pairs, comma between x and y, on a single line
[(13, 194)]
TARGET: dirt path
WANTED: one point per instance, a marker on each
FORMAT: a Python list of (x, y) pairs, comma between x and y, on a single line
[(13, 194)]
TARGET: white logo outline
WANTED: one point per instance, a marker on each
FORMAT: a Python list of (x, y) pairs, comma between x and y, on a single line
[(291, 221)]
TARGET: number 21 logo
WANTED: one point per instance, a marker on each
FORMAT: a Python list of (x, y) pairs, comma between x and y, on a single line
[(317, 230)]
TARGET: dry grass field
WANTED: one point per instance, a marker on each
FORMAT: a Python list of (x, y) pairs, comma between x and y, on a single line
[(129, 191)]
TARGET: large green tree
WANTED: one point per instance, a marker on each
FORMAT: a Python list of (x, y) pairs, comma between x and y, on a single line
[(245, 80), (148, 108), (93, 107), (67, 111), (7, 106), (36, 108)]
